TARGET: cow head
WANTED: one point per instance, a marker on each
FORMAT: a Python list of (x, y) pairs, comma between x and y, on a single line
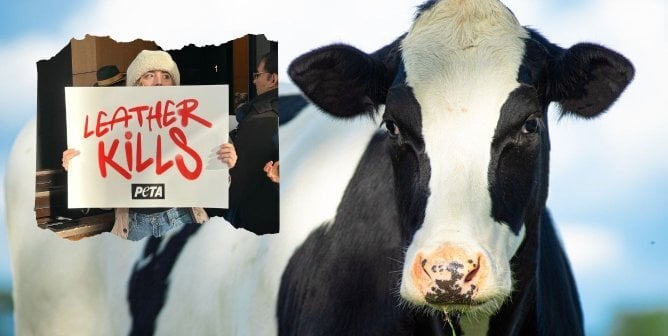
[(465, 95)]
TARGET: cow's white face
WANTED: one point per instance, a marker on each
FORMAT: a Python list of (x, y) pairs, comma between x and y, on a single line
[(462, 62)]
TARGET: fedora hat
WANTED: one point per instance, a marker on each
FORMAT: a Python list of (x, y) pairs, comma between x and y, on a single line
[(109, 75)]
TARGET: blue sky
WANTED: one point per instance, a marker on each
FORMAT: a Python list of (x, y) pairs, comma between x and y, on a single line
[(609, 180), (18, 18)]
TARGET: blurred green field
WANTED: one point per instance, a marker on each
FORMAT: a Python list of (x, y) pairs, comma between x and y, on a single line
[(653, 323)]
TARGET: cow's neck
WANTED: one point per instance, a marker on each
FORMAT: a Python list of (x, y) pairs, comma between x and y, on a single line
[(544, 288), (518, 312)]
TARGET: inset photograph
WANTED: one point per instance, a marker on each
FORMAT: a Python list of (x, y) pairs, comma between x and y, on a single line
[(137, 141)]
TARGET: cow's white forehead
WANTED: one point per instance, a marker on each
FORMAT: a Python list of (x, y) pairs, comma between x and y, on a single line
[(456, 39), (461, 59)]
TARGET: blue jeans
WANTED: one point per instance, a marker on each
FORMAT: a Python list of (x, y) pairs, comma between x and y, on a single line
[(157, 224)]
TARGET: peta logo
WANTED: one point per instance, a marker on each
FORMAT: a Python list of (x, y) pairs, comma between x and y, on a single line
[(148, 191)]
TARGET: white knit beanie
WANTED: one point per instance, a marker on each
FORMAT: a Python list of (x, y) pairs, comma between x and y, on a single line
[(148, 60)]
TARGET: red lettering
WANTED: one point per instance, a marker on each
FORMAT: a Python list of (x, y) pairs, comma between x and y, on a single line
[(99, 131), (128, 149), (141, 165), (160, 168), (136, 162), (104, 159), (179, 138), (161, 114), (155, 114), (186, 109), (139, 111), (120, 116), (168, 116), (87, 133)]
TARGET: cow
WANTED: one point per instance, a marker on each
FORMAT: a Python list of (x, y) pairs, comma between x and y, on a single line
[(435, 224), (445, 218)]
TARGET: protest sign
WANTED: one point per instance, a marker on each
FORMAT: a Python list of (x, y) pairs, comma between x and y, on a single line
[(147, 146)]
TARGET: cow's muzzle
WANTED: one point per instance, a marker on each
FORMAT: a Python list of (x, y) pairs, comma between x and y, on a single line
[(450, 275)]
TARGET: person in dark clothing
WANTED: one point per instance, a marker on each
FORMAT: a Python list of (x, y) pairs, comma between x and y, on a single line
[(254, 199)]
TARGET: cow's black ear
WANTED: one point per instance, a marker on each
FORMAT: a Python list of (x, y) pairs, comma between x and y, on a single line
[(342, 80), (587, 78)]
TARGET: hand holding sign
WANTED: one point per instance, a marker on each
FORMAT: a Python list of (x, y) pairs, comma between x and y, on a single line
[(227, 154), (271, 169), (68, 155)]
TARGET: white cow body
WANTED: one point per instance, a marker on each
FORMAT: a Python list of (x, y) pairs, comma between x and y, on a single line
[(225, 281), (60, 286)]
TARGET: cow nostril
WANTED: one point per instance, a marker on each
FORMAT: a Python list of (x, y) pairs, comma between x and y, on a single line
[(424, 263), (473, 272)]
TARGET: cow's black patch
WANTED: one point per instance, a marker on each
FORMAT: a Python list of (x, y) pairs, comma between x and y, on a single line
[(148, 284), (411, 165), (346, 274), (546, 301), (449, 291), (518, 167), (400, 78), (289, 106)]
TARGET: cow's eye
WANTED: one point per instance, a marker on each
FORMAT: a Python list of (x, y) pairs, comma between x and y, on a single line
[(392, 128), (530, 125)]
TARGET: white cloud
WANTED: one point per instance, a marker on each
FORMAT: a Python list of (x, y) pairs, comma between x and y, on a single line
[(18, 89), (298, 25), (593, 251)]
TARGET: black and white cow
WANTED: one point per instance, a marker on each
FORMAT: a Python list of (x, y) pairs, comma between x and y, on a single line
[(445, 215), (382, 233)]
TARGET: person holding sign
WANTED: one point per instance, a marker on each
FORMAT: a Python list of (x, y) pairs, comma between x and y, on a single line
[(155, 68)]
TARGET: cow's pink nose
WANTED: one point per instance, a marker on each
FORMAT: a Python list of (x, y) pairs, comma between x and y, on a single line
[(449, 275)]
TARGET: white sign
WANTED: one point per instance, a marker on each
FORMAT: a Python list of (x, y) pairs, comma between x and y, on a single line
[(147, 146)]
